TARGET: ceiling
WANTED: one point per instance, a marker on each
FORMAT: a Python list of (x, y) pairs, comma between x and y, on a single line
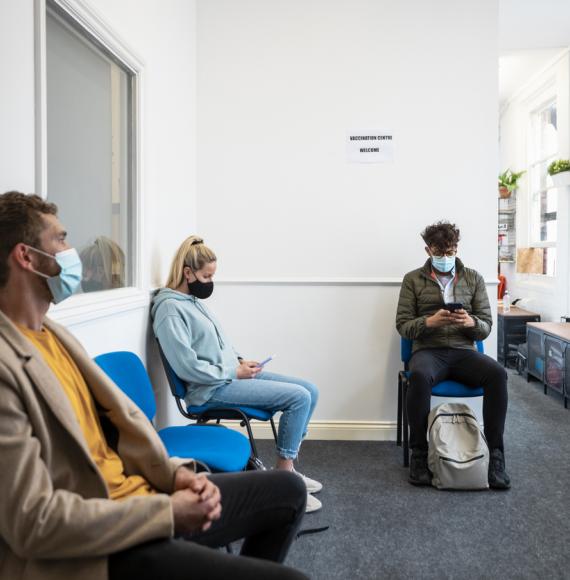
[(533, 24), (516, 67), (531, 34)]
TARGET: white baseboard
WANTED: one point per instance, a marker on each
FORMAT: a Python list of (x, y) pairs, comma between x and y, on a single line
[(331, 430)]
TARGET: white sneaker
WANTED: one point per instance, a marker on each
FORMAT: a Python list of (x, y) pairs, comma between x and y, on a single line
[(313, 504), (312, 485)]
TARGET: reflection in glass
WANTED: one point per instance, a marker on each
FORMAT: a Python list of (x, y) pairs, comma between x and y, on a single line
[(103, 265)]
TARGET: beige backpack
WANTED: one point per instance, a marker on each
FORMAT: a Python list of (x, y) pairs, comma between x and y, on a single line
[(458, 456)]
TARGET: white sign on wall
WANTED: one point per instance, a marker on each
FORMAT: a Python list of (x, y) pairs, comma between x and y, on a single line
[(370, 146)]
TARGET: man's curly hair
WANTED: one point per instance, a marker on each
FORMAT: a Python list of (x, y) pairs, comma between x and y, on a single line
[(441, 235), (20, 221)]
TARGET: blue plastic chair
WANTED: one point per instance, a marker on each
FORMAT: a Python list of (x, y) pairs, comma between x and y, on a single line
[(207, 412), (443, 389), (221, 449)]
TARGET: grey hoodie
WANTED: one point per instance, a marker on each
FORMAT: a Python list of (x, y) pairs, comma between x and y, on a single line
[(194, 344)]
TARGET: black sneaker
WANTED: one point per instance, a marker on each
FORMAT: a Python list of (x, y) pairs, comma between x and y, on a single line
[(498, 477), (419, 472)]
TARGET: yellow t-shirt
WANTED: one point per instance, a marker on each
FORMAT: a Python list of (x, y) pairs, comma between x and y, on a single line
[(107, 460)]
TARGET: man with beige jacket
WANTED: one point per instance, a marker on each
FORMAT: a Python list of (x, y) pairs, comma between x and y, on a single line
[(87, 489)]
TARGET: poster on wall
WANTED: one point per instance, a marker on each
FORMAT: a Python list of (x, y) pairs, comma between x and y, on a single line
[(370, 146)]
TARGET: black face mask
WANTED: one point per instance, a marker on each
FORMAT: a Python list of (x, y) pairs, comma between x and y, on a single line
[(200, 289)]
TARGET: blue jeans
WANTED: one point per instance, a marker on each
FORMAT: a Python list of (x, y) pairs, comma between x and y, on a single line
[(295, 398)]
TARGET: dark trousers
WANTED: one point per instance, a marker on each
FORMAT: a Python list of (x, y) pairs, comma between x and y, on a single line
[(431, 366), (264, 507)]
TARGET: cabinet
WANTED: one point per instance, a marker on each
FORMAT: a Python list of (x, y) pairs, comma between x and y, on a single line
[(549, 355), (535, 343), (507, 234), (511, 331), (554, 352)]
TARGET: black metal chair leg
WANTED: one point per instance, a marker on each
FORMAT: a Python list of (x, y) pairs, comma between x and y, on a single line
[(399, 422), (251, 439), (405, 425), (273, 429)]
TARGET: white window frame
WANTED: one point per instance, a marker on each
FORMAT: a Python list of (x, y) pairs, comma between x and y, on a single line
[(530, 166), (540, 98), (84, 307)]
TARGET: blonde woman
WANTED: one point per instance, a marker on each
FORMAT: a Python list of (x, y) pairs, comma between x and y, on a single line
[(202, 356)]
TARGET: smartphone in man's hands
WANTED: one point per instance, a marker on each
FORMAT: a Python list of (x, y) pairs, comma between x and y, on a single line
[(453, 306)]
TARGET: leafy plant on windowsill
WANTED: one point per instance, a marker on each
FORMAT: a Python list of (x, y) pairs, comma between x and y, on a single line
[(508, 181), (559, 172), (559, 166)]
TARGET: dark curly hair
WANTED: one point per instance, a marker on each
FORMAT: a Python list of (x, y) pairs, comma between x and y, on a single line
[(20, 221), (441, 235)]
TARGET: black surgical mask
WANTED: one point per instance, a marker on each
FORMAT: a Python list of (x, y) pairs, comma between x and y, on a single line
[(200, 289)]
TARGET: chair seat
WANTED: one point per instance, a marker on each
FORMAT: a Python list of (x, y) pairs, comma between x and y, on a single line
[(220, 448), (454, 389), (250, 412)]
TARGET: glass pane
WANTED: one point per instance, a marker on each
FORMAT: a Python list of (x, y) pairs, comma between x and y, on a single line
[(552, 200), (542, 174), (548, 132), (88, 161), (535, 178), (543, 199), (550, 261), (547, 208), (550, 227)]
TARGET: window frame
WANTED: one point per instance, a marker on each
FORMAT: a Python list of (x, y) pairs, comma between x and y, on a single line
[(87, 23), (545, 96)]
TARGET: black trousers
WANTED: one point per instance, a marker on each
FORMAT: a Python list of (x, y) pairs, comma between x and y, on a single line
[(431, 366), (264, 507)]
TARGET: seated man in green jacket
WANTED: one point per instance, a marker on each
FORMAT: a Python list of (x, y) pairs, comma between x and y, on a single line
[(444, 346)]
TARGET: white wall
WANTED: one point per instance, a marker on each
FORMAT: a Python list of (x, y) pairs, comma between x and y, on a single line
[(162, 35), (279, 85), (528, 24), (17, 95), (548, 296)]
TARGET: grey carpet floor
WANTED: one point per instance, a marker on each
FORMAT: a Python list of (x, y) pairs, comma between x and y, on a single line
[(382, 527)]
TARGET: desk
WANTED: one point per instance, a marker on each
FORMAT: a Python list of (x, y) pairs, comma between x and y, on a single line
[(549, 355), (511, 331)]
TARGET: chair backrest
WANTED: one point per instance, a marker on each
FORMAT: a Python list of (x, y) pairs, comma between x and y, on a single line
[(406, 349), (177, 386), (127, 371)]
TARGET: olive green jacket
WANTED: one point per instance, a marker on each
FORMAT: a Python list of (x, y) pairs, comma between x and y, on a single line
[(421, 296)]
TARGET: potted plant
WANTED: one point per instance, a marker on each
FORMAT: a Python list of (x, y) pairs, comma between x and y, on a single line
[(559, 172), (508, 182)]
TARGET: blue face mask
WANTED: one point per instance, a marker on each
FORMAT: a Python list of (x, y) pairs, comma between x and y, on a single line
[(443, 263), (68, 280)]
